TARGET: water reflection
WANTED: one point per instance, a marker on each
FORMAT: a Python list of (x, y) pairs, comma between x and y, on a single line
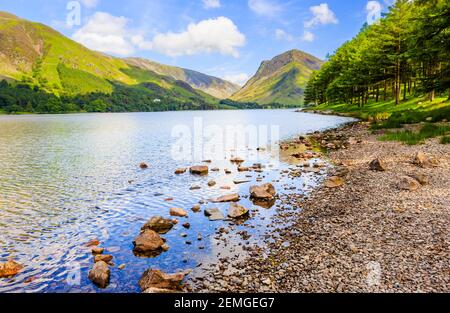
[(66, 179)]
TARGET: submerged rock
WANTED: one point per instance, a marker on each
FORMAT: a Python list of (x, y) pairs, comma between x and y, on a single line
[(196, 208), (160, 280), (93, 242), (147, 241), (143, 165), (10, 268), (263, 192), (227, 198), (214, 214), (199, 170), (159, 224), (236, 210), (178, 212), (211, 183), (100, 274)]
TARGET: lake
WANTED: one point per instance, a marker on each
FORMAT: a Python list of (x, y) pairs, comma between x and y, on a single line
[(67, 179)]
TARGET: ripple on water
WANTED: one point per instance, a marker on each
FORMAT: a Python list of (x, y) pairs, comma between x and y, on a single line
[(68, 179)]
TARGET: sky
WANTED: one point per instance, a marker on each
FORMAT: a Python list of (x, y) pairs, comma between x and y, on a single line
[(224, 38)]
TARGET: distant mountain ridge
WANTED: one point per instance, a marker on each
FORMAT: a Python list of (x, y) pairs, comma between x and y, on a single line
[(214, 86), (283, 79), (39, 55)]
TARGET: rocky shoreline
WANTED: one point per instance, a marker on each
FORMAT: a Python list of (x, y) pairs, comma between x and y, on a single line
[(379, 223)]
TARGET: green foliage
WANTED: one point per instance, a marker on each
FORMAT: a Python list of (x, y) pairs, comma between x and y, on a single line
[(403, 56), (413, 138), (77, 82), (445, 140)]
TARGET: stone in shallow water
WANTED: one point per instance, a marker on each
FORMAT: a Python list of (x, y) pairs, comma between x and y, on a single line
[(159, 224), (214, 214), (10, 268), (147, 241), (227, 198), (263, 192), (178, 212), (160, 280), (100, 274), (199, 170), (103, 257), (237, 210)]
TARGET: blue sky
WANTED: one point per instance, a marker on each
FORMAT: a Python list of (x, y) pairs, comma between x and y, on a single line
[(225, 38)]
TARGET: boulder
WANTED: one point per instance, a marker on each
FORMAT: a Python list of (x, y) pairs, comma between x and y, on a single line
[(211, 183), (100, 274), (214, 214), (196, 208), (103, 257), (263, 192), (160, 280), (97, 250), (199, 170), (408, 183), (227, 198), (159, 224), (180, 171), (147, 241), (421, 178), (237, 210), (10, 268), (178, 212), (378, 165), (421, 160), (334, 182)]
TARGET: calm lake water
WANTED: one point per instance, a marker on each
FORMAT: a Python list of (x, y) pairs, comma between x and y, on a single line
[(67, 179)]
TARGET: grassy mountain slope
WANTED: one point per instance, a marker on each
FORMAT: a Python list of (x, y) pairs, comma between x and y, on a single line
[(280, 80), (214, 86), (39, 56)]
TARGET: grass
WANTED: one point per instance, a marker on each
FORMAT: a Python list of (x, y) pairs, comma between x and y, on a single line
[(413, 138)]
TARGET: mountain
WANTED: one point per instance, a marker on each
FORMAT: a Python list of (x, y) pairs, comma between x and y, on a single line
[(37, 56), (280, 80), (214, 86)]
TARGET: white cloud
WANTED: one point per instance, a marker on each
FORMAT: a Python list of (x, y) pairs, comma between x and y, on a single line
[(90, 3), (264, 7), (280, 34), (373, 10), (308, 36), (106, 33), (211, 4), (238, 79), (110, 34), (322, 15), (219, 35)]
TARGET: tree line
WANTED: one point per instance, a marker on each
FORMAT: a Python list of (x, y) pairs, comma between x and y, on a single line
[(404, 54)]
